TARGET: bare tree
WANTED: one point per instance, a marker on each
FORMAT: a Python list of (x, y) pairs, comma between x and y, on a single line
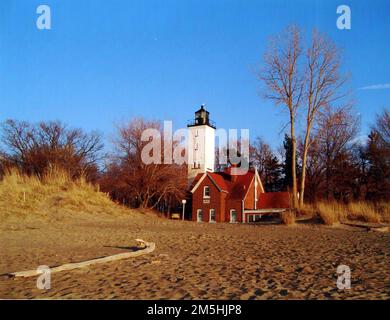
[(322, 84), (282, 76), (260, 151), (335, 135), (263, 158), (378, 156), (382, 127), (314, 170), (131, 181), (34, 148)]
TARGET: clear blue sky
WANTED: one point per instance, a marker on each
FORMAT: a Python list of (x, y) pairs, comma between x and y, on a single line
[(106, 61)]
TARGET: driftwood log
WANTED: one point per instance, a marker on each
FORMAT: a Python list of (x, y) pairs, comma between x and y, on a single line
[(369, 227), (144, 248)]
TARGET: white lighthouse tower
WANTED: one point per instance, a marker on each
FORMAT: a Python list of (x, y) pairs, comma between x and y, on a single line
[(201, 144)]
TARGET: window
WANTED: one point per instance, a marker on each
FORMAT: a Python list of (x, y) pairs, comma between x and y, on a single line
[(233, 216), (199, 215), (212, 215), (206, 192)]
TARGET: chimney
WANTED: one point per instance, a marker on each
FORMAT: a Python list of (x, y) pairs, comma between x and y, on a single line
[(233, 177)]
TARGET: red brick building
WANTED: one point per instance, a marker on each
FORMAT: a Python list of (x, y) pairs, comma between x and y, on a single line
[(223, 197)]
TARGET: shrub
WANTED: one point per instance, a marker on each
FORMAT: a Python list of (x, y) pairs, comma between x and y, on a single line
[(288, 217), (307, 210)]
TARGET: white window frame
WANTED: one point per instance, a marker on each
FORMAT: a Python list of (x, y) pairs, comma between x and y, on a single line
[(215, 216), (231, 211), (204, 192), (197, 215)]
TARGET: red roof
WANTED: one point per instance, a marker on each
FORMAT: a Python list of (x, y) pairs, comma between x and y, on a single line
[(277, 200), (220, 180), (235, 186), (195, 181)]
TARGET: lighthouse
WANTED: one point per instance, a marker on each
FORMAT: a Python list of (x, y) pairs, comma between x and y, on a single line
[(201, 144)]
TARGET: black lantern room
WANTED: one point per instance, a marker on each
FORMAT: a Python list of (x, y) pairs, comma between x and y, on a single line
[(202, 117)]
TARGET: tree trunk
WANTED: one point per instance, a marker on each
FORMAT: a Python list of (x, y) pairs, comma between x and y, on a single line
[(169, 206), (327, 176), (303, 178), (293, 163), (304, 161)]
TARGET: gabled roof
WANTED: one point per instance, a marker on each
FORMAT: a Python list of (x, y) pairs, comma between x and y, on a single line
[(196, 180), (214, 177), (241, 186), (220, 180), (224, 182)]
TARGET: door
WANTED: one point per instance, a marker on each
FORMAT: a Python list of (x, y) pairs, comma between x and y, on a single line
[(212, 215), (199, 215), (233, 216)]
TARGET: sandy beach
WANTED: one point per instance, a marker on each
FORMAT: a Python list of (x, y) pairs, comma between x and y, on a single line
[(193, 261)]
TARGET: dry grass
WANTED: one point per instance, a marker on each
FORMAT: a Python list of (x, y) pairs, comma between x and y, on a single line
[(288, 217), (383, 208), (330, 212), (333, 212), (22, 195), (363, 211)]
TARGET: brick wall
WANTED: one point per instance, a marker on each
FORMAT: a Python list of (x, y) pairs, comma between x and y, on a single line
[(214, 202)]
